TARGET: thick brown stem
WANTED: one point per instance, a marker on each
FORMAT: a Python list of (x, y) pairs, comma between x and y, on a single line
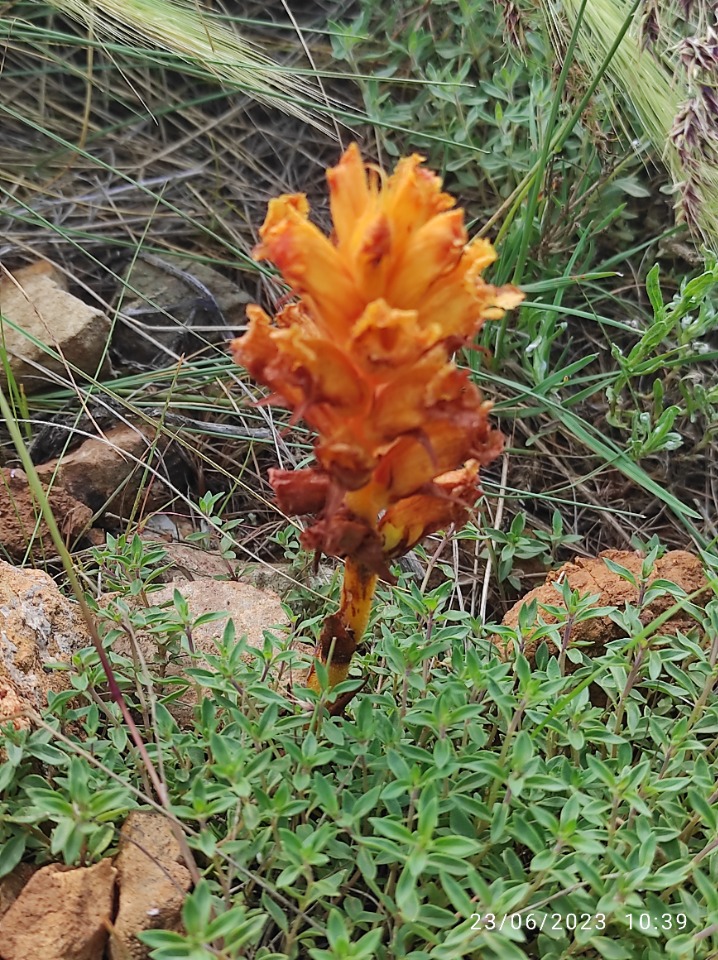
[(342, 631)]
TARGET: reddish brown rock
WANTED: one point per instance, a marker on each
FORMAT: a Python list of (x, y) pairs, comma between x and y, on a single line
[(19, 513), (12, 885), (109, 472), (60, 914), (592, 576), (153, 883)]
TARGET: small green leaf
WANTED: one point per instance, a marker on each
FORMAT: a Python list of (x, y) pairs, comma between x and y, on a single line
[(11, 852), (197, 909), (610, 949), (406, 896)]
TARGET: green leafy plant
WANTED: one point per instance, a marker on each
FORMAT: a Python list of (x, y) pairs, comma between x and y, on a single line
[(482, 799), (520, 543), (670, 341), (206, 923), (469, 804)]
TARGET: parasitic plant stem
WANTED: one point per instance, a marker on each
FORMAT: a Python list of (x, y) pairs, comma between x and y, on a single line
[(343, 631)]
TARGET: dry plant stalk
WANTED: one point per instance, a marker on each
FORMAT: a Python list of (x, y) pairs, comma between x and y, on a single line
[(676, 108), (194, 34), (364, 356), (694, 133)]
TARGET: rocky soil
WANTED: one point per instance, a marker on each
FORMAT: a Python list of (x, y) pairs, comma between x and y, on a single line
[(96, 912)]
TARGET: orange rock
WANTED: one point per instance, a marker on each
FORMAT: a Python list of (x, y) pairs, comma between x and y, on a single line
[(153, 883), (593, 576), (11, 885), (60, 914)]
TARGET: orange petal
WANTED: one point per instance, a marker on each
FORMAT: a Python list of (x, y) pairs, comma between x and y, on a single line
[(408, 521), (407, 466), (349, 193), (280, 208), (479, 254), (256, 348), (384, 337), (296, 315), (300, 491), (404, 404), (412, 196), (349, 464), (344, 535), (309, 263), (431, 252), (461, 483), (508, 297), (461, 300), (324, 370), (371, 255), (311, 374), (413, 461)]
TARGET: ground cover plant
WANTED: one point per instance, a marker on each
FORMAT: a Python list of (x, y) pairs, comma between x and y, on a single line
[(493, 789)]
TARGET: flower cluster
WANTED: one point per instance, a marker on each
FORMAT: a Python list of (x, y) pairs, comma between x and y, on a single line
[(649, 24), (364, 355)]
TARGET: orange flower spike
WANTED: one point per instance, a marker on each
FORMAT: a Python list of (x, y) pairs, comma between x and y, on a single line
[(365, 356)]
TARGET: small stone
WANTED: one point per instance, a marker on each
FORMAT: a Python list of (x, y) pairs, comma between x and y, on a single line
[(592, 576), (108, 472), (153, 882), (60, 914), (173, 307), (36, 300)]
